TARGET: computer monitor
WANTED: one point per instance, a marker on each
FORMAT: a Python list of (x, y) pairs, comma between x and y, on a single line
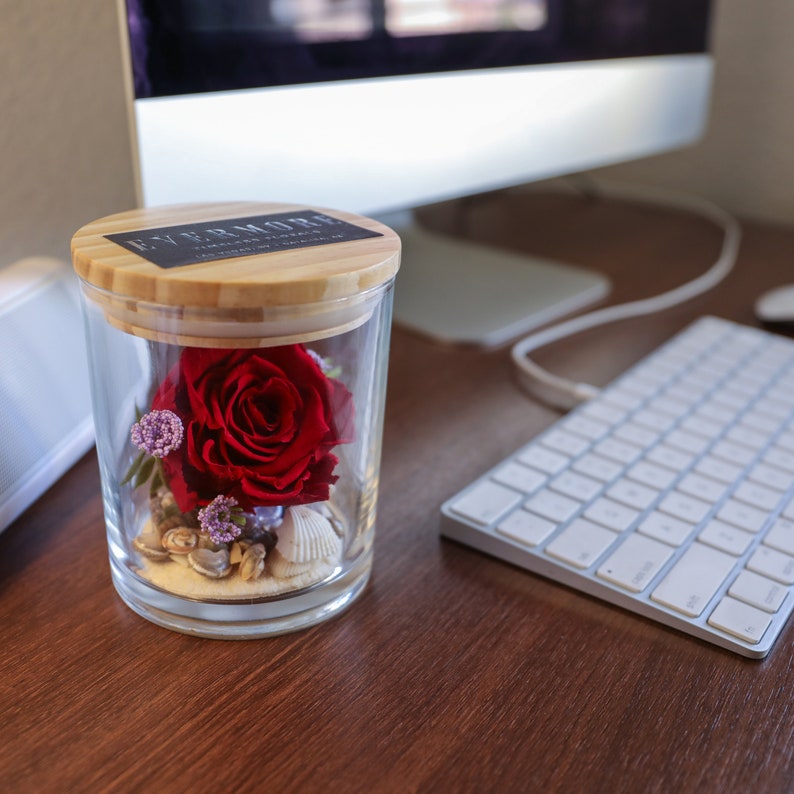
[(378, 106)]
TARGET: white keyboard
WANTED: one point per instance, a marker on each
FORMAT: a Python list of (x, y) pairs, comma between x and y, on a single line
[(671, 494)]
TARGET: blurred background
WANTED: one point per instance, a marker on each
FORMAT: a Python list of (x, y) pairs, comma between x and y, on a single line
[(65, 152)]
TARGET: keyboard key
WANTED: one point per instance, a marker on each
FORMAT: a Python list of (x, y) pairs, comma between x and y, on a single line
[(692, 582), (687, 442), (636, 434), (553, 506), (701, 486), (674, 459), (617, 450), (740, 619), (741, 434), (772, 563), (633, 494), (735, 453), (566, 443), (597, 467), (757, 495), (771, 476), (743, 516), (783, 459), (611, 514), (758, 591), (655, 420), (586, 427), (526, 528), (522, 478), (666, 528), (577, 486), (486, 502), (685, 507), (543, 459), (611, 407), (636, 561), (652, 474), (718, 469), (581, 544), (726, 537), (781, 536)]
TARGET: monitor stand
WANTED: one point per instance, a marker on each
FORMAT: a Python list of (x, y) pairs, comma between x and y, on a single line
[(458, 292)]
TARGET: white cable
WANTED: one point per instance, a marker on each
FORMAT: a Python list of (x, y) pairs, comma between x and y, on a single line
[(563, 393)]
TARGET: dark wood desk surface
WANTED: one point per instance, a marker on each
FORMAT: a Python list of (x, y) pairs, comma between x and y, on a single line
[(453, 672)]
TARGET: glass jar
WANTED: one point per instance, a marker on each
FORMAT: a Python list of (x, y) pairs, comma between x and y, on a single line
[(238, 356)]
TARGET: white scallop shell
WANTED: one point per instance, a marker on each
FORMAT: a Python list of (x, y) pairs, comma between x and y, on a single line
[(282, 568), (305, 536)]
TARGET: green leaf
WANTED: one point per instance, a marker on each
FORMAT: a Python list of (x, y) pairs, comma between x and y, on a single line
[(238, 519), (133, 469), (144, 472), (157, 481)]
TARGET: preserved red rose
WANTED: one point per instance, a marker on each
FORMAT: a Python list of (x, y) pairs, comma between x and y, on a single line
[(259, 426)]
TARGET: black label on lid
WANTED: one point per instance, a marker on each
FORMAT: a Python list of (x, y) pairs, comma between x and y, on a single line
[(191, 243)]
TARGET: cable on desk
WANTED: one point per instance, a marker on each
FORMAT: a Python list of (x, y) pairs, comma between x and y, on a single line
[(566, 394)]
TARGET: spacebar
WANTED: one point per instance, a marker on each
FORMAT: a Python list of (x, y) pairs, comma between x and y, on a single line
[(694, 579)]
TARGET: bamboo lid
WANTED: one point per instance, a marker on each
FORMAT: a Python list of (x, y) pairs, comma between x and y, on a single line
[(218, 274), (320, 261)]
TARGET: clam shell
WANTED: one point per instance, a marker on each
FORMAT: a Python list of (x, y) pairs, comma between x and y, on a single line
[(214, 564), (282, 568), (252, 566), (180, 540), (305, 536), (150, 545)]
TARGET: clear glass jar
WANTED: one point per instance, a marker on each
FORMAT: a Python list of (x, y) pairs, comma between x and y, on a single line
[(238, 357)]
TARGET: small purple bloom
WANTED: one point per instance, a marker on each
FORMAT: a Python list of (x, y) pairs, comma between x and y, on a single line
[(321, 362), (221, 520), (158, 433)]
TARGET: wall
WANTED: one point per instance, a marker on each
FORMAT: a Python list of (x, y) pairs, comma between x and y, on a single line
[(746, 159), (64, 145), (65, 153)]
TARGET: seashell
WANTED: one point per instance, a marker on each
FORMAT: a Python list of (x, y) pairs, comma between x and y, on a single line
[(150, 545), (282, 568), (180, 540), (253, 562), (305, 535), (214, 564), (167, 500), (236, 553)]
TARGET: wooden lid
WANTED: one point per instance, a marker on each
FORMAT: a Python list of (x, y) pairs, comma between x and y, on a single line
[(237, 255)]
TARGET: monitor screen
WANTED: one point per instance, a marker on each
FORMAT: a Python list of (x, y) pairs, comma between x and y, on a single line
[(194, 46)]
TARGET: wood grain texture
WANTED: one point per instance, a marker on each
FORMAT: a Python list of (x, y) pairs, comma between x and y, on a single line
[(453, 672), (299, 276)]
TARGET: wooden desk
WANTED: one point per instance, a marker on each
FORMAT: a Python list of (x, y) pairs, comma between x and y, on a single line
[(453, 672)]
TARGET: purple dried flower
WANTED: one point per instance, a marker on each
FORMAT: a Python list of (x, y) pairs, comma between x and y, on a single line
[(221, 519), (158, 433), (321, 362)]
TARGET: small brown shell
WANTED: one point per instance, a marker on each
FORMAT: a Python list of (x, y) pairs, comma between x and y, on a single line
[(214, 564), (252, 565), (150, 545), (180, 540)]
